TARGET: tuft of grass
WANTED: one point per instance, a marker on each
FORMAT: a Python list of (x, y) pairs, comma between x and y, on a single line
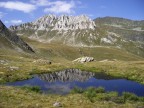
[(77, 90), (99, 94), (36, 89), (90, 93), (100, 90), (130, 96)]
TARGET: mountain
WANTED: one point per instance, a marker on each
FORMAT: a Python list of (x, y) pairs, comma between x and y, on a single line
[(130, 32), (70, 30), (135, 28), (52, 22), (10, 40), (82, 31)]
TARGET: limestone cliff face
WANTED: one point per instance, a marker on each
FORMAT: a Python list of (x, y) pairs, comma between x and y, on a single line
[(64, 22), (69, 30), (73, 23), (11, 40)]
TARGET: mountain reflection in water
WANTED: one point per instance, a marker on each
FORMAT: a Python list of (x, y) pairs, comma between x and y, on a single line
[(67, 75), (63, 82)]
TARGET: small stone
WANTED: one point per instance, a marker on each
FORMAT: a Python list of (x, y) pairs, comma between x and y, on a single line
[(57, 104), (13, 68)]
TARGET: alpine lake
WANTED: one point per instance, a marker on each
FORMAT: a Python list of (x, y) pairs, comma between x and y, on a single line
[(63, 82)]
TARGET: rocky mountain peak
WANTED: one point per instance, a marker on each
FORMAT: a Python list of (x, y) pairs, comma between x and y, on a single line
[(45, 20), (63, 22), (74, 22)]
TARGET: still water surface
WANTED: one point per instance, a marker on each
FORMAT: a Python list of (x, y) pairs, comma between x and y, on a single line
[(63, 82)]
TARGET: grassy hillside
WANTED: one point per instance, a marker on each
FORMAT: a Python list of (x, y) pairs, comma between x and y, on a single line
[(58, 50), (5, 43), (120, 22), (20, 65), (130, 33)]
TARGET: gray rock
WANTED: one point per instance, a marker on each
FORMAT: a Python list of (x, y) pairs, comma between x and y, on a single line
[(12, 68), (57, 104), (84, 59), (63, 22)]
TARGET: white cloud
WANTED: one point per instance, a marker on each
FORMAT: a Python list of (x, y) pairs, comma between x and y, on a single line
[(60, 7), (1, 14), (16, 21), (13, 22), (41, 2), (90, 15), (20, 6), (6, 22), (56, 7)]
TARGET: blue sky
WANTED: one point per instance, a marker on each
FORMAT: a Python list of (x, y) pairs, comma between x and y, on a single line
[(14, 12)]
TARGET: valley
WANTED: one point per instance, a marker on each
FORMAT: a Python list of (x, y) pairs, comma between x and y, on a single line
[(34, 48)]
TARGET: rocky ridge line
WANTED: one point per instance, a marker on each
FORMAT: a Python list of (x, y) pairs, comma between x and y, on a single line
[(63, 22)]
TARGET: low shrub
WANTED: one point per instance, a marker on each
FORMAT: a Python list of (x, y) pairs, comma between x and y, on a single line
[(118, 100), (100, 90), (90, 93), (77, 90), (100, 94), (130, 96), (36, 89)]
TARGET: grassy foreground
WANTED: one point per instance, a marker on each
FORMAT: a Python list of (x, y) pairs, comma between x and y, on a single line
[(18, 98), (11, 97)]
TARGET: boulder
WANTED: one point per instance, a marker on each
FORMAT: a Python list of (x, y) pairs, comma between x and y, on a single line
[(84, 59)]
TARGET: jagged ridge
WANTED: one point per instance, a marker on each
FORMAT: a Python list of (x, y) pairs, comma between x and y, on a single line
[(64, 22)]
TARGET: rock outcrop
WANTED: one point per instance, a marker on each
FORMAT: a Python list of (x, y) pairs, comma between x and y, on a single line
[(84, 59), (64, 22)]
